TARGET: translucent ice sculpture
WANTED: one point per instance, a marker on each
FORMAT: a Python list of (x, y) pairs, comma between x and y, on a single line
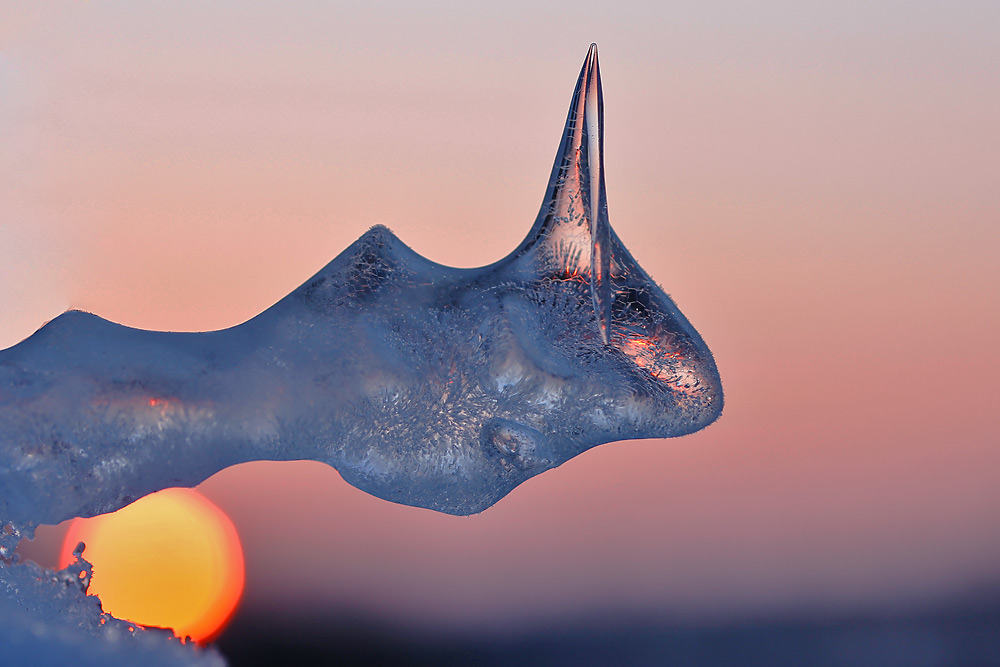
[(422, 384)]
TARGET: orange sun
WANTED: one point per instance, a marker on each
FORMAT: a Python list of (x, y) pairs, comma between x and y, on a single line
[(171, 559)]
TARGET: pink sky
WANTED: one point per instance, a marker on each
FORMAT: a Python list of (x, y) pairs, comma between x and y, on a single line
[(815, 186)]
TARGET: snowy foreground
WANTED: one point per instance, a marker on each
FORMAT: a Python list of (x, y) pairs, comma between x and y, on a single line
[(422, 384), (47, 619)]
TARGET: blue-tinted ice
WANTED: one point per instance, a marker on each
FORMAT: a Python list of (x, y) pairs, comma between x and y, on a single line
[(422, 384)]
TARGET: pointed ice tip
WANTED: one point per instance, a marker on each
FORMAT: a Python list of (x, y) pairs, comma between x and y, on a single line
[(594, 194), (571, 233), (590, 62)]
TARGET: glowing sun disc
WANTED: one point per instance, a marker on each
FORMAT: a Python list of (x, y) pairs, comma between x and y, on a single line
[(171, 559)]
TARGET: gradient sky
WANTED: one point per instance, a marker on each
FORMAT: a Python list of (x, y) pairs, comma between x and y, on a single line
[(816, 184)]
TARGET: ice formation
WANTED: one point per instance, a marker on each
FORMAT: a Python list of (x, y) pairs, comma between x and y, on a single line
[(422, 384)]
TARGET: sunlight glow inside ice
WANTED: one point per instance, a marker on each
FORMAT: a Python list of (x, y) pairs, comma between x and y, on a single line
[(422, 384)]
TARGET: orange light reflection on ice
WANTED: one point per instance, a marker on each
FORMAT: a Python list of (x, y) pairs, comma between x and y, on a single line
[(665, 366), (644, 352), (171, 559)]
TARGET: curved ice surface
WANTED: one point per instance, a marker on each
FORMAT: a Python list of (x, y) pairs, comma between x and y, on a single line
[(422, 384)]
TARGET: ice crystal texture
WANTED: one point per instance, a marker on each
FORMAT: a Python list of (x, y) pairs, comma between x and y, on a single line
[(422, 384)]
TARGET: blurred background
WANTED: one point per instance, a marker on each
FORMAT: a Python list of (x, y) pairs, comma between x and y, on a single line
[(816, 185)]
